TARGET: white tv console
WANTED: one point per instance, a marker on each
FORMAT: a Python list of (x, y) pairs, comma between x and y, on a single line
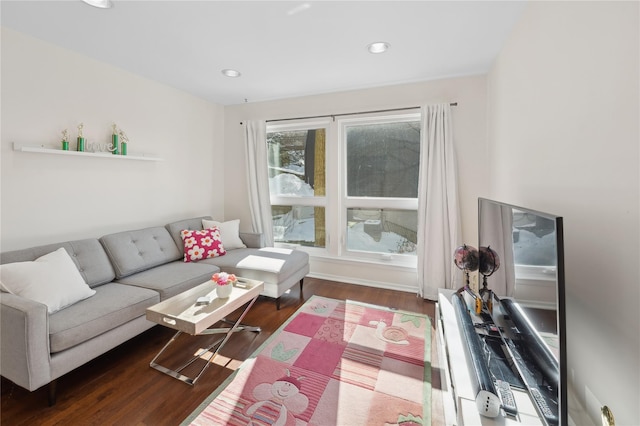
[(459, 397)]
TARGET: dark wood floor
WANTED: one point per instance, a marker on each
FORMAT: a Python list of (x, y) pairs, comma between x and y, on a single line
[(119, 388)]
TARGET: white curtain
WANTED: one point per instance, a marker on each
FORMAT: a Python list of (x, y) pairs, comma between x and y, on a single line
[(258, 178), (497, 233), (438, 209)]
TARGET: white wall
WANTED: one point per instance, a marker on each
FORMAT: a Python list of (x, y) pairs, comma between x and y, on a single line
[(51, 198), (563, 98), (469, 122)]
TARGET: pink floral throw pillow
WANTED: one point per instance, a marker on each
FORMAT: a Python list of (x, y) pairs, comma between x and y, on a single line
[(203, 244)]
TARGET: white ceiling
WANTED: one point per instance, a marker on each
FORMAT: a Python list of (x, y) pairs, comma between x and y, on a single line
[(282, 48)]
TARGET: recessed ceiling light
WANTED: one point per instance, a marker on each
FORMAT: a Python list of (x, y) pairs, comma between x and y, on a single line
[(378, 47), (298, 9), (102, 4), (231, 73)]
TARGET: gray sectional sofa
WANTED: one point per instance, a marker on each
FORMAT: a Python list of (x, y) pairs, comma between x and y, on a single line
[(129, 271)]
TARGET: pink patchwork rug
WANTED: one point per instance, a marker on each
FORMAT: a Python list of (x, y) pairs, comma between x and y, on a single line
[(331, 363)]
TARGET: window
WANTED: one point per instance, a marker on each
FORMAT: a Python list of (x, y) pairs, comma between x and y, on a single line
[(534, 247), (382, 168), (353, 178), (297, 185), (534, 240)]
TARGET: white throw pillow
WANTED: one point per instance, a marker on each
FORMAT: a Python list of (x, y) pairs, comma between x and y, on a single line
[(52, 279), (229, 233)]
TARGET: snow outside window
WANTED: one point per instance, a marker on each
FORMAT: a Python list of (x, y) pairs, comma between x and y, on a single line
[(534, 247)]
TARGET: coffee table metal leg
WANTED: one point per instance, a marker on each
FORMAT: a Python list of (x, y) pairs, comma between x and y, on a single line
[(166, 370), (244, 327), (237, 326)]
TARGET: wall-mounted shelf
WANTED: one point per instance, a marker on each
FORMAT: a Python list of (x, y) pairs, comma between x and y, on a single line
[(41, 150)]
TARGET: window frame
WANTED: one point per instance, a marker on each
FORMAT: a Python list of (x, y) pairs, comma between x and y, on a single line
[(292, 200), (336, 202)]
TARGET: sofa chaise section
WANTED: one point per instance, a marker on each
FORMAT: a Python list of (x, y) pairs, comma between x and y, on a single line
[(279, 269)]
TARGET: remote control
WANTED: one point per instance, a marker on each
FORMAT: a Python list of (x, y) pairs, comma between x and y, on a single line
[(541, 402), (506, 396), (204, 300)]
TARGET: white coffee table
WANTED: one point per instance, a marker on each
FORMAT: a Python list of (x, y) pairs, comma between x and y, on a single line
[(181, 313)]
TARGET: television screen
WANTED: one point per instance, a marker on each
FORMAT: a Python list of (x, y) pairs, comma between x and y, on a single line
[(530, 282)]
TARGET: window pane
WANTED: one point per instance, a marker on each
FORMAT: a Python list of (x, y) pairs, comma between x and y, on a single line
[(304, 225), (382, 231), (296, 162), (534, 240), (383, 160)]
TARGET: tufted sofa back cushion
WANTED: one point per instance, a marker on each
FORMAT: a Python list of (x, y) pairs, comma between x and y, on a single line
[(88, 256), (175, 228), (139, 250)]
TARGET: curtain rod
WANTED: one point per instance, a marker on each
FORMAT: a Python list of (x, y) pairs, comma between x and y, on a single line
[(349, 113)]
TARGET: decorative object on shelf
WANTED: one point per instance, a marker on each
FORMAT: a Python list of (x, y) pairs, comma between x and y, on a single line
[(80, 147), (65, 140), (97, 147), (114, 140), (224, 283), (466, 258), (124, 141), (489, 262)]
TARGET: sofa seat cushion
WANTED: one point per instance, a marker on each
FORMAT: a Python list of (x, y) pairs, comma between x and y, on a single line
[(269, 264), (172, 278), (112, 305)]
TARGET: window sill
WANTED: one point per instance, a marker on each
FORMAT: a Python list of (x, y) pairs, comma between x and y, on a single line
[(404, 265), (394, 261)]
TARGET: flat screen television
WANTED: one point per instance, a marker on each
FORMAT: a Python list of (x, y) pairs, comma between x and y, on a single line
[(530, 248)]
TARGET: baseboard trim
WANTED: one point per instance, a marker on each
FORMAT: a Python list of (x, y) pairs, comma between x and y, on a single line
[(367, 283)]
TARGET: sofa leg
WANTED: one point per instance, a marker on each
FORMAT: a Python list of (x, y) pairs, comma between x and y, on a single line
[(278, 303), (52, 387), (301, 281)]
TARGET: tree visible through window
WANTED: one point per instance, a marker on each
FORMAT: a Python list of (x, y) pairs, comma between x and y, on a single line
[(383, 160)]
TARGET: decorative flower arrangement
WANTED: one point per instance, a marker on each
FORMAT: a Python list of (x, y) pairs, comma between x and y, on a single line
[(222, 278)]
